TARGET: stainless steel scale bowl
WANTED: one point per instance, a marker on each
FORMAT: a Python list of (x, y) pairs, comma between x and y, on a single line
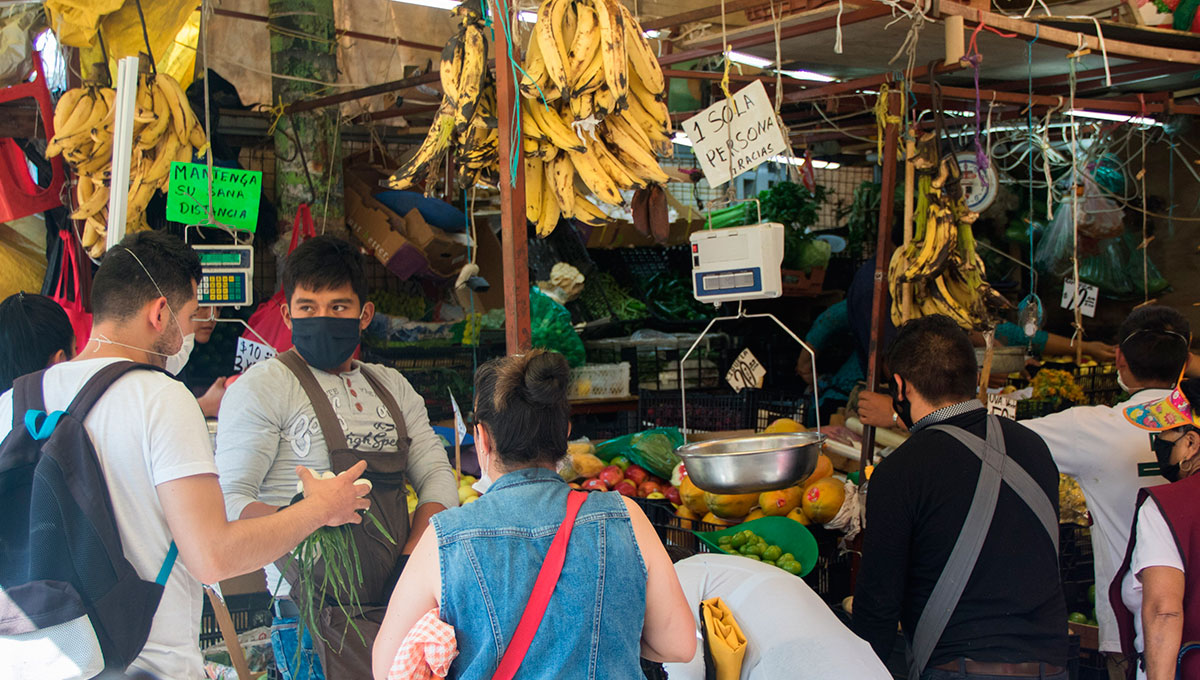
[(754, 463)]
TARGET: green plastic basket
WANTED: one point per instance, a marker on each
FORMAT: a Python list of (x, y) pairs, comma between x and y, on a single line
[(790, 535)]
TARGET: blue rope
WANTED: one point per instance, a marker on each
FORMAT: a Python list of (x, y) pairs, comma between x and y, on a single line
[(1029, 119), (1171, 190)]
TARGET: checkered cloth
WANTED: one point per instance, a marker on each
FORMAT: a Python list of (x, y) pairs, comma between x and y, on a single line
[(426, 651)]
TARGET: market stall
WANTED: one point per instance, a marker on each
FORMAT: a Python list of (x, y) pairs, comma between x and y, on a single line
[(643, 189)]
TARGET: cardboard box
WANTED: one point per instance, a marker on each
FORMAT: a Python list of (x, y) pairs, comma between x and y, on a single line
[(446, 253), (380, 230)]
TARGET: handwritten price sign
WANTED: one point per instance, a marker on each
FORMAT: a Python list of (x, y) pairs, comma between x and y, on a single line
[(1002, 405), (745, 372), (250, 353), (1088, 295)]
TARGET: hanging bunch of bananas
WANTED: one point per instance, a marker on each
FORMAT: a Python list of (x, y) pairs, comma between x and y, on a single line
[(941, 263), (466, 118), (164, 130), (593, 113)]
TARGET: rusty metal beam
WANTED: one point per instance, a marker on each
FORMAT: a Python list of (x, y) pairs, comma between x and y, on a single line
[(767, 35), (1124, 105), (1084, 76), (716, 75), (349, 34), (382, 88), (865, 82)]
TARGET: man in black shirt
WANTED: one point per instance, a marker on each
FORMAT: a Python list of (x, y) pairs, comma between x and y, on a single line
[(1010, 620)]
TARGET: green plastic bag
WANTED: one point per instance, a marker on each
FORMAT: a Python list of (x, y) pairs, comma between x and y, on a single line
[(652, 449), (552, 328)]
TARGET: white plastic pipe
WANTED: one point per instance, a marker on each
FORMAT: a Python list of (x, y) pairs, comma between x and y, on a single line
[(126, 103)]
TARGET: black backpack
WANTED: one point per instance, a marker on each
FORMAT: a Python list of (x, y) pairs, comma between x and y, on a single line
[(60, 551)]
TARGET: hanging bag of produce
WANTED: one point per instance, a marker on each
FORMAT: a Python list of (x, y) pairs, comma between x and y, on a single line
[(266, 320), (70, 289)]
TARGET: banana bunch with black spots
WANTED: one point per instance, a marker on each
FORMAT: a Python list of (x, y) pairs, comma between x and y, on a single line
[(942, 265), (466, 118), (165, 129), (593, 113)]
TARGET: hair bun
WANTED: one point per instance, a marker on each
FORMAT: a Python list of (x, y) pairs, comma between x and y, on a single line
[(546, 377)]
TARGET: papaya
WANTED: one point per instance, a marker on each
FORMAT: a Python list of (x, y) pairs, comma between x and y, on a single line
[(686, 516), (781, 502), (823, 498), (730, 505), (799, 516), (824, 469), (713, 519), (692, 496), (784, 425), (754, 514)]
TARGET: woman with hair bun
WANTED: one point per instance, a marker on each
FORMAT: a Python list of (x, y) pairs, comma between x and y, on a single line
[(35, 333), (617, 597)]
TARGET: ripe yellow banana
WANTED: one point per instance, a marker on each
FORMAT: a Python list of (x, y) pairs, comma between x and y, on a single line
[(622, 128), (604, 103), (548, 219), (437, 140), (582, 106), (471, 78), (65, 108), (621, 176), (97, 199), (179, 105), (612, 47), (450, 66), (550, 43), (639, 159), (596, 179), (551, 124), (560, 178), (642, 59), (588, 213), (534, 186), (534, 79), (160, 116), (79, 116), (584, 46)]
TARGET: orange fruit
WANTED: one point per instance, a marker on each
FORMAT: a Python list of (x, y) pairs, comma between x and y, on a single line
[(713, 519), (692, 497), (686, 516), (730, 505), (799, 516), (822, 499), (784, 425), (781, 502), (754, 514), (824, 469)]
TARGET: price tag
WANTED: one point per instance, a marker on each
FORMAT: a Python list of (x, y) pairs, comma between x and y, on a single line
[(745, 372), (1002, 405), (249, 353), (459, 425), (735, 135), (1088, 295)]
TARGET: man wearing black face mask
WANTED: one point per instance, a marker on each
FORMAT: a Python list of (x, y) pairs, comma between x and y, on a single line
[(317, 407), (964, 555)]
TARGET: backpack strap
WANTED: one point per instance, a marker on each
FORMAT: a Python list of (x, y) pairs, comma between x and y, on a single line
[(27, 396)]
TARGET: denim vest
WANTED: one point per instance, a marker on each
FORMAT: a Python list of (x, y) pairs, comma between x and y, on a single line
[(490, 552)]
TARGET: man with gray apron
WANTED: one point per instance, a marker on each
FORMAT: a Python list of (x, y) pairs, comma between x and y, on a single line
[(961, 541), (317, 407)]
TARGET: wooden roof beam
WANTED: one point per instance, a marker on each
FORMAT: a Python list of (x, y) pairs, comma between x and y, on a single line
[(767, 35), (1070, 40), (863, 83), (700, 14), (1130, 106)]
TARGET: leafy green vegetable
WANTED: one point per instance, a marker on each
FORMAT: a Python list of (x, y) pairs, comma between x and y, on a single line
[(670, 297), (601, 291)]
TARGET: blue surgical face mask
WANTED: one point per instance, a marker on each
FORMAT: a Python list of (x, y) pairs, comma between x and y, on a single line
[(325, 342)]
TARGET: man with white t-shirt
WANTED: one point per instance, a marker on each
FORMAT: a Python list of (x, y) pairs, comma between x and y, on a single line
[(790, 632), (155, 453), (1110, 458)]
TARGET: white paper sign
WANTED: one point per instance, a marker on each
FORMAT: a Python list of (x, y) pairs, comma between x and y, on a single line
[(459, 425), (1002, 405), (745, 372), (250, 353), (1088, 294), (735, 135)]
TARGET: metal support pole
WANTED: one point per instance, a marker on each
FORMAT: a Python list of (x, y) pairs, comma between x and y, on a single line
[(883, 257), (514, 235)]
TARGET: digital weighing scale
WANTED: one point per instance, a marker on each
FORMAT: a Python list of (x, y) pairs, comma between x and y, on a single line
[(226, 278)]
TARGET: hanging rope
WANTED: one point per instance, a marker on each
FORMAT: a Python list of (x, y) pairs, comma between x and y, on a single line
[(146, 37), (1029, 122), (1145, 241), (1077, 336)]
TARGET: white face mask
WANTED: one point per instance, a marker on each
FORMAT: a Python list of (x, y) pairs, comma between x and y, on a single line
[(1121, 383), (178, 360), (485, 479)]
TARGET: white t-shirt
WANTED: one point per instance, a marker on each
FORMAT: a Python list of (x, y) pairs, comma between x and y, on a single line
[(1155, 547), (790, 632), (1102, 451), (147, 429)]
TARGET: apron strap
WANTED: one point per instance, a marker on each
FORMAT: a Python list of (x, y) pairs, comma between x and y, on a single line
[(335, 437), (947, 592), (389, 402)]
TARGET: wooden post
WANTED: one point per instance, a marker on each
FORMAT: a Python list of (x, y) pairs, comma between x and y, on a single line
[(514, 232), (308, 166), (883, 256)]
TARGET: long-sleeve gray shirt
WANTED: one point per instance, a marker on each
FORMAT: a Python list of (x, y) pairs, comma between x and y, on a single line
[(267, 427)]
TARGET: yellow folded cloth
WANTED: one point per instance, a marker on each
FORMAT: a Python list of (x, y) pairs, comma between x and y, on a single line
[(725, 639)]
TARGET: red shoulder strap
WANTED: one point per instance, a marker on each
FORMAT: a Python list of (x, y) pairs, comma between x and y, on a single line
[(543, 588)]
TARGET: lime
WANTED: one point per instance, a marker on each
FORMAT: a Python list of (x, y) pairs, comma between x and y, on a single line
[(786, 557), (1077, 617), (1092, 594), (772, 553), (745, 549), (756, 558), (724, 540), (738, 540), (793, 567), (731, 551), (754, 549)]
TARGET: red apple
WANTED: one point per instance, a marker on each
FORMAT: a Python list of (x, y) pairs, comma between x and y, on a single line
[(594, 484), (611, 475), (672, 494), (647, 487), (626, 488), (636, 474)]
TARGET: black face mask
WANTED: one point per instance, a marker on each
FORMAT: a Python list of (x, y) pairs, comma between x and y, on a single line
[(1162, 452), (325, 342), (903, 408)]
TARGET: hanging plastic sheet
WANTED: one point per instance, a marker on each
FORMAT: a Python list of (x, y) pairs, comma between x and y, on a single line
[(174, 28)]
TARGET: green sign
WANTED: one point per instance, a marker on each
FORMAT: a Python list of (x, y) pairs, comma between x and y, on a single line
[(235, 195)]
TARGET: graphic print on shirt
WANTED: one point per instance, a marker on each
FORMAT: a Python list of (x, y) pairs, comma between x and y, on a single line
[(299, 434)]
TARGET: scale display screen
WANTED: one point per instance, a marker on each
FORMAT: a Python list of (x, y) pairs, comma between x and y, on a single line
[(226, 275)]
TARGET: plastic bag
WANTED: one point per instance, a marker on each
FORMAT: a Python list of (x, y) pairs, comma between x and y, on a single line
[(1099, 217), (552, 328), (653, 449)]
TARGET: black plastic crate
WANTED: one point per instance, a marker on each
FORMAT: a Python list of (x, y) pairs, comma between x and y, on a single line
[(771, 406), (1099, 384), (831, 577), (707, 412), (434, 372), (674, 531), (1075, 559), (249, 611), (1028, 409), (654, 362), (600, 427)]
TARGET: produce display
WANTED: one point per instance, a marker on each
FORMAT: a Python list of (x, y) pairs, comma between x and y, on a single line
[(619, 474), (941, 262), (748, 544), (1057, 385), (164, 130), (604, 293), (671, 298)]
